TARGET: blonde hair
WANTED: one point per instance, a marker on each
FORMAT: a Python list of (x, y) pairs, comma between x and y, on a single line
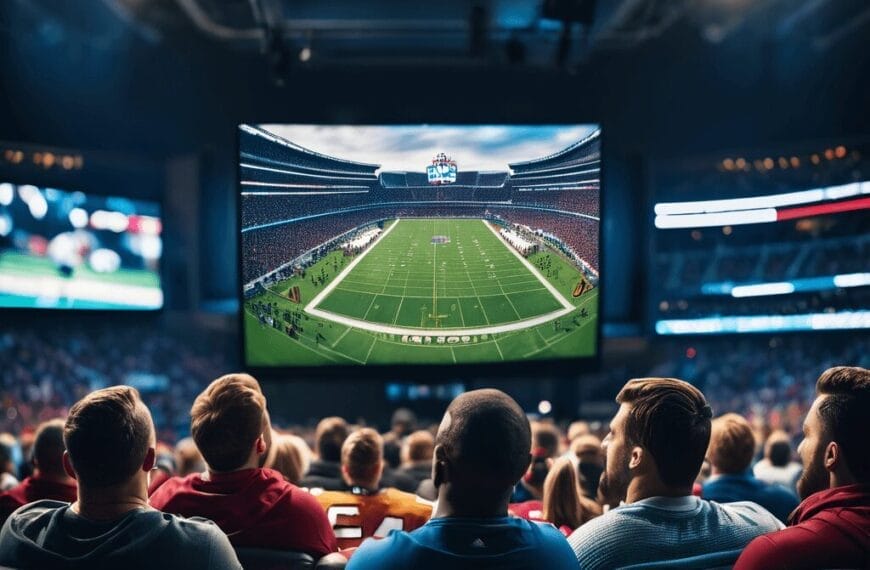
[(564, 503), (290, 456), (732, 444)]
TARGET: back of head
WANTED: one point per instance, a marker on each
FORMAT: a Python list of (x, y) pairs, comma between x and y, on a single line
[(107, 435), (362, 457), (329, 437), (669, 418), (777, 448), (845, 414), (577, 429), (486, 438), (225, 421), (188, 459), (48, 448), (732, 444), (418, 447), (404, 421), (562, 496), (545, 437), (289, 456)]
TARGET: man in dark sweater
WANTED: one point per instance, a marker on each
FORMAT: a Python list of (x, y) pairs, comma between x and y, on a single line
[(110, 442), (831, 527)]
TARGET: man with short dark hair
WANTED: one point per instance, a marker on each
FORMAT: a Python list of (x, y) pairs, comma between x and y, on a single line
[(49, 480), (655, 448), (325, 471), (481, 451), (110, 442), (732, 446), (831, 527), (365, 509), (256, 507)]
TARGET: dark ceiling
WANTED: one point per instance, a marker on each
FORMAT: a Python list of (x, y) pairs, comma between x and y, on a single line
[(167, 77)]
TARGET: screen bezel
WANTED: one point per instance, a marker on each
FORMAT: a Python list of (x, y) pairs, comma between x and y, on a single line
[(558, 367), (159, 202)]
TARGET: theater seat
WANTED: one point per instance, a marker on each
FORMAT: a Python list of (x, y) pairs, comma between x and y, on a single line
[(265, 559)]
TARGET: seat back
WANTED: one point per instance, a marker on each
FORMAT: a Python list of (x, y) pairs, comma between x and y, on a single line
[(266, 559)]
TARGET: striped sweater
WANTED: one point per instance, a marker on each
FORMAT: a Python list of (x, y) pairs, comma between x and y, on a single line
[(675, 532)]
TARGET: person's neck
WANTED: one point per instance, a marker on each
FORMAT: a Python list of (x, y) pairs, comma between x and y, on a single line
[(641, 488), (61, 478), (448, 506), (252, 463), (841, 479), (110, 503)]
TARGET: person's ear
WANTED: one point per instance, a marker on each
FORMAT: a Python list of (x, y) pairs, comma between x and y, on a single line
[(150, 460), (67, 465), (345, 475), (440, 468), (637, 458), (833, 456), (260, 444)]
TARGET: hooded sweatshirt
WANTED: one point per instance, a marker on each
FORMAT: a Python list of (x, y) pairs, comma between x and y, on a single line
[(830, 529), (48, 535), (35, 488), (256, 508)]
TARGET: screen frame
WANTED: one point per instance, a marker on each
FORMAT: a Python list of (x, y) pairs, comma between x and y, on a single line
[(103, 311), (430, 373)]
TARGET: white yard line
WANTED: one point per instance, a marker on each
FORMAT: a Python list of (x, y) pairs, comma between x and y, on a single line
[(329, 288), (392, 329), (347, 330), (555, 292)]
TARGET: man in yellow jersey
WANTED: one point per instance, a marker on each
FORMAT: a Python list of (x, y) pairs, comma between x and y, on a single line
[(366, 510)]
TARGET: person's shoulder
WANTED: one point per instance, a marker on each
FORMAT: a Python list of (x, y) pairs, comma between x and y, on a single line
[(396, 550), (749, 512), (774, 549), (408, 501), (37, 509), (202, 535)]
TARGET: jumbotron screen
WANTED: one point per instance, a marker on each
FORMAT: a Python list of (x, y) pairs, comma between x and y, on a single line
[(418, 244), (62, 249)]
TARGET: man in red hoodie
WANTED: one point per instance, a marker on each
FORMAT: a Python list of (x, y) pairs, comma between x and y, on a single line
[(49, 480), (831, 527), (255, 507)]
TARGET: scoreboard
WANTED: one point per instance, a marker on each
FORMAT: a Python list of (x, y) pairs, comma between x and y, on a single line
[(442, 170)]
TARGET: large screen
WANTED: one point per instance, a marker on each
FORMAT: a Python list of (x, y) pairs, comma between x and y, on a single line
[(64, 249), (419, 244)]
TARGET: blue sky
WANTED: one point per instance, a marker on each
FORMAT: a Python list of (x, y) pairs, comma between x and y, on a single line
[(412, 147)]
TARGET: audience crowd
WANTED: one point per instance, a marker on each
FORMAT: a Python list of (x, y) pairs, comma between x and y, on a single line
[(671, 485)]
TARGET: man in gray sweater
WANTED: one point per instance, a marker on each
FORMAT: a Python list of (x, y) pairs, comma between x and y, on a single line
[(655, 448), (110, 442)]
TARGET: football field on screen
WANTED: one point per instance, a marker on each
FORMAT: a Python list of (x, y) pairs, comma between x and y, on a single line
[(438, 290)]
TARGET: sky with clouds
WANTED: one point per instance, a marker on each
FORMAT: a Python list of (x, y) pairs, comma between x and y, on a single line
[(412, 147)]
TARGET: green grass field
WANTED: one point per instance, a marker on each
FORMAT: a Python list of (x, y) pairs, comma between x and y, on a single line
[(28, 281), (463, 297)]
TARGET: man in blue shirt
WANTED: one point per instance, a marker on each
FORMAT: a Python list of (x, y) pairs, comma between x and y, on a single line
[(481, 451), (732, 445)]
